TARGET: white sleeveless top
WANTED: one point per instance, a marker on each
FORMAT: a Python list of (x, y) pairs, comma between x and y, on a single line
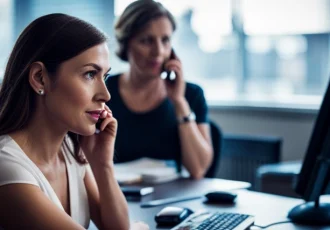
[(16, 167)]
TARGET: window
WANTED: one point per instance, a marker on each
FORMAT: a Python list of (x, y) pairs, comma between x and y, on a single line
[(287, 49), (6, 24), (242, 52), (15, 15), (97, 12)]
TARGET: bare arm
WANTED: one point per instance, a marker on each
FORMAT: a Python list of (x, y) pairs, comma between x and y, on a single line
[(25, 206), (196, 145), (107, 204)]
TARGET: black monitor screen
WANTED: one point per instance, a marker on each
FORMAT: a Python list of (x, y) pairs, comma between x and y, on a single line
[(318, 150), (314, 175)]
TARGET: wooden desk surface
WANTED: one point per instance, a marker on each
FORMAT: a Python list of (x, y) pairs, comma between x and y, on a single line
[(266, 208)]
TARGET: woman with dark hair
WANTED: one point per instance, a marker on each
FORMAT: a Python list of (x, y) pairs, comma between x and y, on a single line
[(162, 119), (55, 171)]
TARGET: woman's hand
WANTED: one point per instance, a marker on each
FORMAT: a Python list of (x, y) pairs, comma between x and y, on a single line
[(99, 148), (176, 88)]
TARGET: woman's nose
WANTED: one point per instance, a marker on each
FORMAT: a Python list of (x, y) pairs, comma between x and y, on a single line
[(158, 48), (103, 94)]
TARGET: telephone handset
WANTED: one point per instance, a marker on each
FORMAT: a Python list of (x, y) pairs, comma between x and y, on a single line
[(166, 74), (98, 125)]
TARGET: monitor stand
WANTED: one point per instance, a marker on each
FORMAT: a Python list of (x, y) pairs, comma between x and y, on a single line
[(311, 213)]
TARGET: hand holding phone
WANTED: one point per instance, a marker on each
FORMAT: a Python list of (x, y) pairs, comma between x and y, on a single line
[(173, 76), (166, 74), (99, 148)]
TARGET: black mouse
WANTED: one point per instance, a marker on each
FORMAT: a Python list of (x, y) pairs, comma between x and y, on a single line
[(170, 216), (221, 197)]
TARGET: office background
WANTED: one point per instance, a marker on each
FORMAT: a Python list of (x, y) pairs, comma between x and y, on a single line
[(263, 64)]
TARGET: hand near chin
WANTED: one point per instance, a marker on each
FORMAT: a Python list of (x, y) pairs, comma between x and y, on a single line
[(99, 148)]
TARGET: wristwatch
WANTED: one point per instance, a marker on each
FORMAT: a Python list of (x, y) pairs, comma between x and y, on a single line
[(190, 117)]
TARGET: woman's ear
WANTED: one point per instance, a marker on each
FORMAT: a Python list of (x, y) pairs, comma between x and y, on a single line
[(38, 77)]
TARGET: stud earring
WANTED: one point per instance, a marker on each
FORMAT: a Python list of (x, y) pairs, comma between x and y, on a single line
[(41, 91)]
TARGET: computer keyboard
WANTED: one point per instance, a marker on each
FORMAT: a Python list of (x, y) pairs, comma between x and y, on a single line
[(216, 221)]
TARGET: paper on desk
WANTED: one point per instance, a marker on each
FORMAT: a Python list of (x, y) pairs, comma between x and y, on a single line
[(128, 178), (144, 170), (159, 175)]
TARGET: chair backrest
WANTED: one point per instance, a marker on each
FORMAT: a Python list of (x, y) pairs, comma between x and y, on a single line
[(216, 136), (242, 155)]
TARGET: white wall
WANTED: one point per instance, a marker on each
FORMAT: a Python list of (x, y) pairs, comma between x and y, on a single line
[(295, 127)]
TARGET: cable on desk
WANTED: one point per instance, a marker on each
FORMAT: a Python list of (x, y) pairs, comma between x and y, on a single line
[(269, 225)]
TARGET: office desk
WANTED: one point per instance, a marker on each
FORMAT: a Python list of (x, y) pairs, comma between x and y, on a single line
[(266, 208)]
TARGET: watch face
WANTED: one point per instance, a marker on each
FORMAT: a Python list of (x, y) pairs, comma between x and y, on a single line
[(192, 116)]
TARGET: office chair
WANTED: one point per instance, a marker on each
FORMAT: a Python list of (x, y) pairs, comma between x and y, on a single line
[(242, 155), (216, 136), (278, 178)]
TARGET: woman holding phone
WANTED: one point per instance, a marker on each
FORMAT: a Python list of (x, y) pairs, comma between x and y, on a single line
[(55, 172), (162, 119)]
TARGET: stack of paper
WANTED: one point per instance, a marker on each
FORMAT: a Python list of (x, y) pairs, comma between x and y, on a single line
[(159, 175), (144, 170)]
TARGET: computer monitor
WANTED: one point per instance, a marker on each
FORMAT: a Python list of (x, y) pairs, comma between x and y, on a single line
[(314, 175)]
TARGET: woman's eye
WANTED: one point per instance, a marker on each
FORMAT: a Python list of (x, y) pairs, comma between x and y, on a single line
[(166, 40), (146, 41), (90, 75)]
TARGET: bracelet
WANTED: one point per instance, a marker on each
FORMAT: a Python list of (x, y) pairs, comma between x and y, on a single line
[(190, 117)]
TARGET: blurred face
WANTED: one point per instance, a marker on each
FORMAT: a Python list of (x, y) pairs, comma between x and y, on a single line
[(148, 50), (78, 94)]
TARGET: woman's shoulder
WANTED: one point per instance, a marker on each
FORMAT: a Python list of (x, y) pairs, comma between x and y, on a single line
[(15, 166), (10, 150), (193, 89), (4, 140)]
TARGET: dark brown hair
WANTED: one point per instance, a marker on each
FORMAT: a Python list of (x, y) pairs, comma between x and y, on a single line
[(50, 39), (135, 18)]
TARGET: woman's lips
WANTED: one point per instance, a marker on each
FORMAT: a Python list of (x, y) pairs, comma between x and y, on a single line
[(155, 65), (94, 115)]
